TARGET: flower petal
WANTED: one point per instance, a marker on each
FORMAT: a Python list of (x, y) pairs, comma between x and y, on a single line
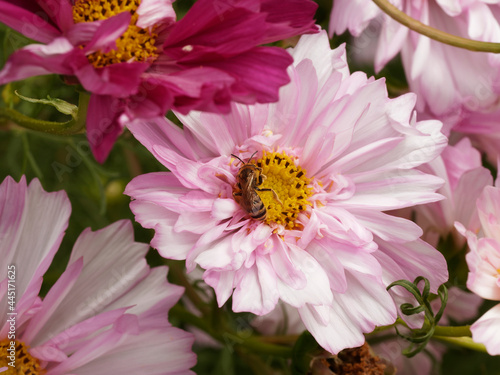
[(38, 59), (485, 330), (348, 317), (152, 12), (28, 22), (113, 263), (26, 209), (103, 127)]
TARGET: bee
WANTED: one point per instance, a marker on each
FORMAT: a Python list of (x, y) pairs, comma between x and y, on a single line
[(249, 179)]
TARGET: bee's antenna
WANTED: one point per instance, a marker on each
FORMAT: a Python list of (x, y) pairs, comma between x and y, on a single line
[(238, 158), (251, 157)]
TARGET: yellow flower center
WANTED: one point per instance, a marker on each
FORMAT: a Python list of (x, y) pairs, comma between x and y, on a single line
[(17, 359), (290, 184), (136, 44)]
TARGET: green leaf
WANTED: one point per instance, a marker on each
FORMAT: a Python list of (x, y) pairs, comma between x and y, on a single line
[(61, 105)]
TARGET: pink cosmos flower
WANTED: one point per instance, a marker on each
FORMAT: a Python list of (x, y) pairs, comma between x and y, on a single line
[(335, 152), (465, 177), (448, 80), (107, 312), (137, 61), (484, 265)]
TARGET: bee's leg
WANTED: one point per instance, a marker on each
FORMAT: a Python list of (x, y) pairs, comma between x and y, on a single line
[(276, 198), (261, 179), (237, 196)]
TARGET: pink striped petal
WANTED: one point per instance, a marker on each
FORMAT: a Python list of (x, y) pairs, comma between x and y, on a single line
[(52, 300), (26, 209), (112, 249), (486, 330)]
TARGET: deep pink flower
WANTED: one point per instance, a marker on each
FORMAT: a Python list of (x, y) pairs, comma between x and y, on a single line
[(337, 152), (106, 314), (484, 265), (137, 61), (448, 80)]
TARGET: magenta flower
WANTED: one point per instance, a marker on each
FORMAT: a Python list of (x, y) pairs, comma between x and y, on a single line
[(448, 80), (107, 312), (137, 61), (336, 152), (484, 265)]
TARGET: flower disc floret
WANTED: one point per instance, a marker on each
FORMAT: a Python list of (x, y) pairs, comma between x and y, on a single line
[(25, 363), (290, 184), (136, 43)]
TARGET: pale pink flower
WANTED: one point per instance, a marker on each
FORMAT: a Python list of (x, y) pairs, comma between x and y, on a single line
[(484, 265), (484, 131), (106, 314), (461, 168), (448, 80), (337, 152)]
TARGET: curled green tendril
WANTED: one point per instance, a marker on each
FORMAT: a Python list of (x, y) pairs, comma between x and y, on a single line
[(419, 338)]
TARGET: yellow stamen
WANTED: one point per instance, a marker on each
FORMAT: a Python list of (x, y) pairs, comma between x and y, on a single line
[(289, 182), (24, 362), (136, 44)]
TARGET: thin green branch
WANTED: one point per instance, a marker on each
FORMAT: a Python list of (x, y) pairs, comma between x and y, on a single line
[(229, 337), (178, 272), (436, 34), (464, 342), (186, 317), (460, 331), (29, 156), (280, 339), (257, 365), (257, 346)]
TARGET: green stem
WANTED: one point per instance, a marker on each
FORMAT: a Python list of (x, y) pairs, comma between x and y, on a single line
[(177, 271), (280, 339), (257, 346), (436, 34), (225, 336), (29, 157), (186, 317), (461, 331), (464, 342), (257, 365), (74, 126)]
